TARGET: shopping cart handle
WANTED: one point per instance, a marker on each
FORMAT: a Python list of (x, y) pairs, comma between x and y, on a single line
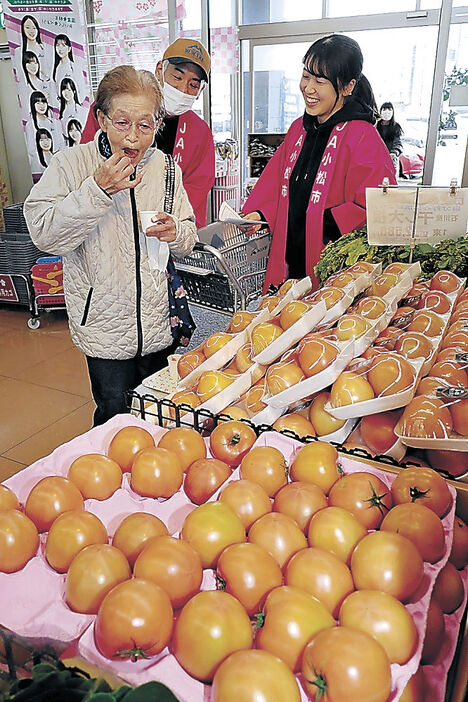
[(206, 248)]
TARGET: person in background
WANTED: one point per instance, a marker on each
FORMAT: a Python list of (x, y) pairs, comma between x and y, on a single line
[(74, 131), (44, 147), (85, 208), (183, 73), (313, 189), (68, 98), (391, 133)]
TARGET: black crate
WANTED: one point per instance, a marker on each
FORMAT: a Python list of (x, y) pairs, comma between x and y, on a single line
[(14, 219), (17, 252)]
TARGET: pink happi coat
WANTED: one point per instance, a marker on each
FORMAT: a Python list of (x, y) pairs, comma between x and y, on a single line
[(354, 159), (193, 152)]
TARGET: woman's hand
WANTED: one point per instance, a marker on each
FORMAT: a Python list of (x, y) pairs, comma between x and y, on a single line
[(164, 228), (255, 216), (114, 174)]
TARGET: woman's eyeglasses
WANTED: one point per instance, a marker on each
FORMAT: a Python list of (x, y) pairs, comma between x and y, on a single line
[(145, 126)]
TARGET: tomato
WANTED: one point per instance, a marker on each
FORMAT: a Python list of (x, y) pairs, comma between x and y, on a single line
[(266, 466), (183, 397), (390, 374), (324, 423), (203, 478), (186, 443), (290, 618), (156, 472), (296, 423), (92, 574), (321, 574), (340, 280), (420, 525), (415, 690), (230, 441), (249, 573), (316, 463), (427, 418), (269, 303), (387, 562), (435, 300), (263, 335), (459, 411), (210, 627), (96, 477), (69, 534), (425, 485), (377, 430), (251, 676), (248, 501), (49, 498), (293, 311), (8, 499), (448, 589), (346, 665), (435, 633), (173, 565), (371, 307), (210, 528), (240, 320), (133, 533), (235, 412), (18, 540), (349, 388), (452, 370), (336, 530), (364, 495), (329, 295), (279, 535), (215, 342), (351, 326), (300, 501), (384, 618), (384, 283), (445, 281), (254, 397), (315, 354), (414, 345), (189, 361), (134, 621), (282, 375), (459, 553), (126, 443)]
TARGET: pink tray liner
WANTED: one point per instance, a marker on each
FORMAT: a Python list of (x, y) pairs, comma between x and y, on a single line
[(40, 614)]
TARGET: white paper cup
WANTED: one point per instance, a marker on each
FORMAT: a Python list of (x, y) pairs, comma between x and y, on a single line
[(146, 219)]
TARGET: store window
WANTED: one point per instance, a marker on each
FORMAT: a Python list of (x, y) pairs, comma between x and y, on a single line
[(265, 11), (344, 8)]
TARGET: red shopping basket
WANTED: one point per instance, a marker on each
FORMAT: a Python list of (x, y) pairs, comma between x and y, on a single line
[(48, 283)]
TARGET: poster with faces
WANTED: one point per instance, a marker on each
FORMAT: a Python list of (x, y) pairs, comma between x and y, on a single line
[(48, 51)]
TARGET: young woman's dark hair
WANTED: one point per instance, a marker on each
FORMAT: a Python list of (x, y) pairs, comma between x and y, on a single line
[(38, 96), (39, 134), (73, 123), (57, 59), (29, 57), (63, 85), (23, 33), (392, 129), (338, 58)]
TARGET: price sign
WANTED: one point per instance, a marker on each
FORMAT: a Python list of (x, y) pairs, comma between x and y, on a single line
[(7, 289)]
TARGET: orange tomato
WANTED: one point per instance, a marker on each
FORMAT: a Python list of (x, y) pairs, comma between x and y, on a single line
[(93, 572), (247, 499), (435, 632), (244, 357), (448, 589), (279, 535), (183, 397), (459, 411), (364, 495), (346, 665), (445, 281), (426, 417), (210, 383), (189, 361), (370, 307), (18, 540), (388, 338), (254, 398), (296, 423), (452, 370), (286, 286), (350, 388), (340, 280), (420, 525), (249, 573), (156, 472), (266, 466), (96, 477), (414, 345), (290, 618), (69, 534), (455, 463), (240, 320), (126, 443), (457, 338), (269, 303), (430, 385), (215, 342), (329, 295), (316, 463), (351, 326), (415, 689), (8, 499), (396, 267), (459, 553), (417, 483), (210, 627), (186, 443), (203, 478), (210, 528), (230, 441), (173, 565), (324, 423), (134, 531), (292, 312), (235, 412), (315, 354), (390, 374), (435, 300), (263, 335), (134, 621), (49, 498), (388, 562), (300, 501), (427, 322), (282, 375), (336, 530), (378, 430), (384, 283)]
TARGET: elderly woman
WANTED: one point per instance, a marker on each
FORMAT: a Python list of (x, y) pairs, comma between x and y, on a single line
[(85, 208)]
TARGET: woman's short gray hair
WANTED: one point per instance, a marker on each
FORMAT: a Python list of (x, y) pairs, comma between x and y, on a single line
[(128, 80)]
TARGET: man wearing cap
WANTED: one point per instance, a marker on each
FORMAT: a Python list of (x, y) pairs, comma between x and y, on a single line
[(183, 73)]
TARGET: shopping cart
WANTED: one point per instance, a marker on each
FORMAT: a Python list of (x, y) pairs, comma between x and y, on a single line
[(226, 269)]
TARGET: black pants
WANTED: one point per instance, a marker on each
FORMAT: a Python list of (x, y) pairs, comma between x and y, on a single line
[(110, 380)]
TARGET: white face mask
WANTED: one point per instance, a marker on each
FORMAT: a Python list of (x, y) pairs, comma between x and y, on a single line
[(175, 101), (386, 114)]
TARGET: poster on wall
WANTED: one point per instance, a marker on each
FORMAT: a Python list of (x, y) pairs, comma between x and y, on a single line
[(47, 46)]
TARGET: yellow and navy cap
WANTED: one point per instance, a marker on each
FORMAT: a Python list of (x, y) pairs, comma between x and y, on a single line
[(189, 50)]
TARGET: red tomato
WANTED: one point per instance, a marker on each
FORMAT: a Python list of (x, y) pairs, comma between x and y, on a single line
[(377, 430), (290, 618), (126, 443), (445, 281), (364, 495), (459, 553), (8, 499), (203, 478), (231, 440), (247, 499), (210, 528), (156, 472), (384, 618), (248, 572), (96, 477), (300, 501), (279, 535), (435, 632), (266, 466), (336, 530), (322, 575), (420, 525), (210, 627), (49, 498), (18, 540), (92, 574), (346, 665), (455, 463), (448, 589), (186, 443), (69, 534), (251, 676), (425, 485), (134, 621), (316, 463), (387, 562), (133, 533)]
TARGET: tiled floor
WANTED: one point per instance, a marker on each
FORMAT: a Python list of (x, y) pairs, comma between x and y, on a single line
[(45, 397)]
